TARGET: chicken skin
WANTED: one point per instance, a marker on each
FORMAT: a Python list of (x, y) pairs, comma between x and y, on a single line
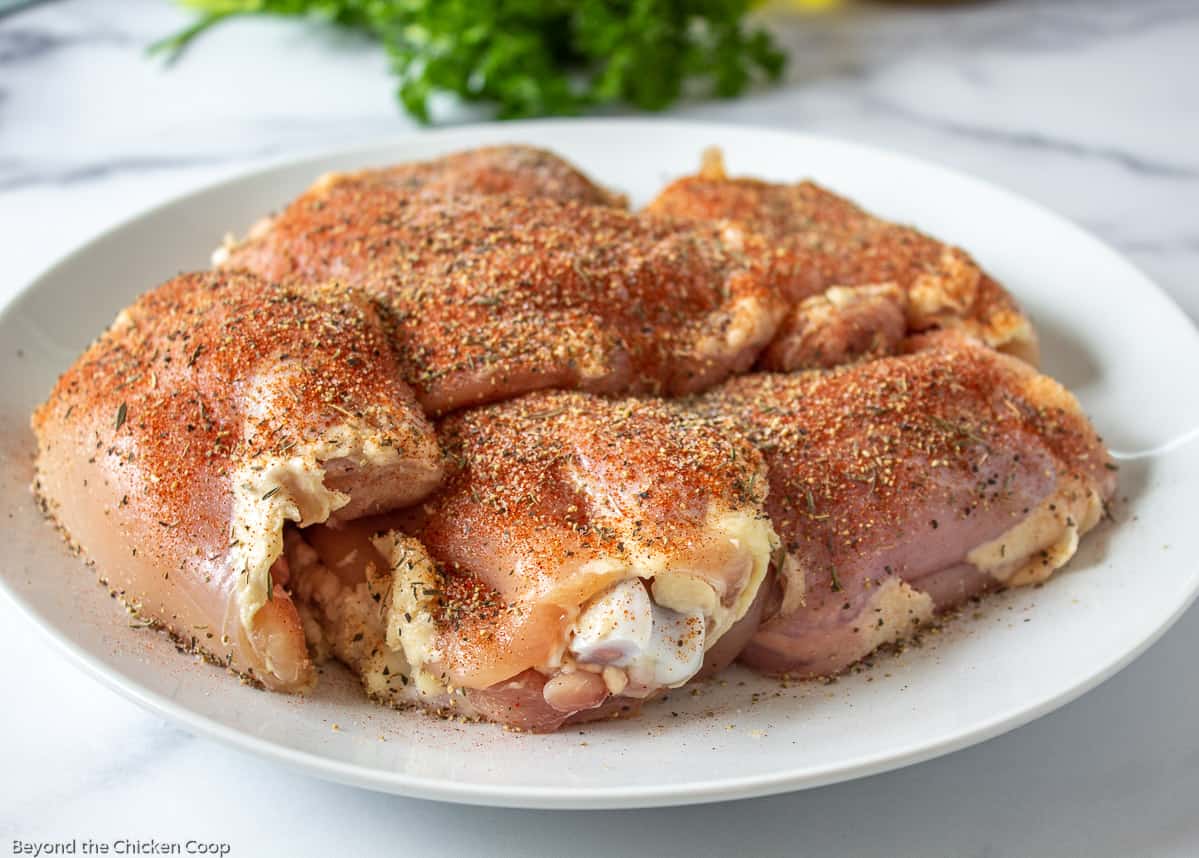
[(520, 171), (902, 486), (512, 170), (837, 244), (490, 297), (583, 554), (213, 410)]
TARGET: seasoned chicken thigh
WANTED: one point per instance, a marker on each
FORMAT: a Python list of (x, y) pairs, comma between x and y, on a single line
[(520, 171), (491, 296), (583, 554), (213, 410), (511, 170), (837, 244), (902, 486)]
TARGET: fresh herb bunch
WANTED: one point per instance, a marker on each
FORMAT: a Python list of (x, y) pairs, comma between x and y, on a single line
[(540, 57)]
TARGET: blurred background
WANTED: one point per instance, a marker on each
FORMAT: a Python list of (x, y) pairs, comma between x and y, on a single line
[(1088, 106)]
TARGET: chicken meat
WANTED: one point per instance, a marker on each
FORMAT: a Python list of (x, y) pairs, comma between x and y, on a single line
[(901, 487), (583, 555), (492, 296), (213, 410), (836, 244), (521, 171)]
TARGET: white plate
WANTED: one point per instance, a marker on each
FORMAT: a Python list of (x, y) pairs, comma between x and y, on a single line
[(1107, 332)]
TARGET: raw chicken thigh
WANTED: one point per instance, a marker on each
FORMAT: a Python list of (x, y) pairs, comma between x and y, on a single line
[(902, 486), (583, 554), (213, 410), (837, 244)]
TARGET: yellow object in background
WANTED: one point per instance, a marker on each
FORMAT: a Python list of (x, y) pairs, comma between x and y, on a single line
[(798, 5)]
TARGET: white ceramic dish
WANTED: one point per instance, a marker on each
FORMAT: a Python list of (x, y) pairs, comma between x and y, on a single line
[(1107, 332)]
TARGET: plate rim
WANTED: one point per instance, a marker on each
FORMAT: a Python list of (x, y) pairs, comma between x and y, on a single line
[(562, 798), (584, 797)]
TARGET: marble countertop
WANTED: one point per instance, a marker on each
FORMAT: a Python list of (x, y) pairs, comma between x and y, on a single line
[(1089, 107)]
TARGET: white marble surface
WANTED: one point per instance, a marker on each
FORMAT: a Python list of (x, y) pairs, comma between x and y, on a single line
[(1089, 107)]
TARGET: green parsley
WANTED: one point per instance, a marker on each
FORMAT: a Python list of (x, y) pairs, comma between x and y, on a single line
[(539, 57)]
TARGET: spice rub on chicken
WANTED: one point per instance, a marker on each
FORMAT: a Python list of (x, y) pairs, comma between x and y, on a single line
[(514, 170), (493, 296), (582, 555), (837, 244), (213, 410), (902, 486)]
